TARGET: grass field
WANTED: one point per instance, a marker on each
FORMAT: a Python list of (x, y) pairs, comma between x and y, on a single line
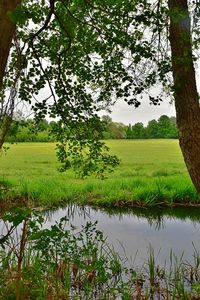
[(152, 172)]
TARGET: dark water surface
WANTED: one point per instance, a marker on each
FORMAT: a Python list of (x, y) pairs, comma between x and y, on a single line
[(133, 231)]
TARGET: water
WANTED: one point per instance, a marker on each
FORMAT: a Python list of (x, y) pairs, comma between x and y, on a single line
[(132, 232)]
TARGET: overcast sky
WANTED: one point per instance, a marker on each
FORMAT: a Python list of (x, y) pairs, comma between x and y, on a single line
[(122, 112)]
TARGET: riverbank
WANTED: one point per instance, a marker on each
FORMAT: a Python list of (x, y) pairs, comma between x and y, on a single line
[(151, 173)]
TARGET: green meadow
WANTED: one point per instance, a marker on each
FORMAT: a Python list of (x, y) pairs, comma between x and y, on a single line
[(152, 172)]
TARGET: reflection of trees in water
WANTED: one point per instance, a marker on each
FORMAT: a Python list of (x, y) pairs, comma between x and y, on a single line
[(158, 223), (71, 211), (155, 217), (8, 231)]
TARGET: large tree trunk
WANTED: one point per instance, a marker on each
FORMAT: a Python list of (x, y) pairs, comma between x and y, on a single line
[(7, 29), (185, 90)]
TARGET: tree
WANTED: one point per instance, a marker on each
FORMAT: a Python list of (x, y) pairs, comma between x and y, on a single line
[(68, 34), (166, 127), (152, 129), (129, 132), (113, 130), (101, 49), (7, 30), (138, 131), (7, 36), (107, 119), (185, 90)]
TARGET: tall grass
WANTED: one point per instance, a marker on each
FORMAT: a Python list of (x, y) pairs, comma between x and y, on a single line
[(152, 172)]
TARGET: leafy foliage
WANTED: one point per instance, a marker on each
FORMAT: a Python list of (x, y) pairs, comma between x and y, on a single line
[(165, 127)]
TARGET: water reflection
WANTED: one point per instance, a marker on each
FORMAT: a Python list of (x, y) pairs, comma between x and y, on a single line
[(133, 231), (76, 261), (155, 217), (71, 211)]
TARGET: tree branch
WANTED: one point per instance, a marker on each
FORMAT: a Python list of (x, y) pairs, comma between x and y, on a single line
[(46, 23)]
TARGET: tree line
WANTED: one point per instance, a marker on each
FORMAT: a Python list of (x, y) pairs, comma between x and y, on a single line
[(28, 131), (165, 128)]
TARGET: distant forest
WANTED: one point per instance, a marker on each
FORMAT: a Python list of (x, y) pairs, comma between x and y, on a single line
[(163, 128)]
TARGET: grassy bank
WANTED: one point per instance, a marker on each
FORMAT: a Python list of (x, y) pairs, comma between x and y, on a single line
[(152, 172)]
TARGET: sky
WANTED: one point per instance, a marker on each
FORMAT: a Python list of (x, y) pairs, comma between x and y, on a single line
[(127, 114), (122, 112)]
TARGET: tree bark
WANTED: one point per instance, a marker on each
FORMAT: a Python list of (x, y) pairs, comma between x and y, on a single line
[(185, 89), (4, 128), (7, 29)]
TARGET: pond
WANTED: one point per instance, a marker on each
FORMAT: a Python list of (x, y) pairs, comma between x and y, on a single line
[(133, 231)]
